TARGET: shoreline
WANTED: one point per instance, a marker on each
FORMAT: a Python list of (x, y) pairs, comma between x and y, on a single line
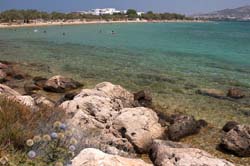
[(56, 23)]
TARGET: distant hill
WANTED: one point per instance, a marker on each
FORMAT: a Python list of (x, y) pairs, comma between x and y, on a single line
[(240, 13)]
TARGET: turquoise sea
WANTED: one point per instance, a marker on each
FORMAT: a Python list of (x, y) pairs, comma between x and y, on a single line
[(173, 60)]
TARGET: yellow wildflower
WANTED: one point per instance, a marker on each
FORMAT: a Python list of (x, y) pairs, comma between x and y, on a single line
[(30, 142), (46, 138)]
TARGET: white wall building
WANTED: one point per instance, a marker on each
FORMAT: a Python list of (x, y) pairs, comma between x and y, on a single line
[(103, 11), (98, 12)]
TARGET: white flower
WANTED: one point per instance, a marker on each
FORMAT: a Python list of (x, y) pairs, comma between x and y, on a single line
[(63, 126), (54, 135), (32, 154), (72, 148)]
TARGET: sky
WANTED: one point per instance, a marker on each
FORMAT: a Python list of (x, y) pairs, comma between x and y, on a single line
[(179, 6)]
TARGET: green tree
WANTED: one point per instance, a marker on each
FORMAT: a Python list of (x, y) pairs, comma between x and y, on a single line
[(132, 14)]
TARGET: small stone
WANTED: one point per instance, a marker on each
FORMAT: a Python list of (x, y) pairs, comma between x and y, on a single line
[(235, 93)]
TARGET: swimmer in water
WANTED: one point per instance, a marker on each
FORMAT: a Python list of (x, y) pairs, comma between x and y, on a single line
[(44, 31), (113, 32), (64, 34)]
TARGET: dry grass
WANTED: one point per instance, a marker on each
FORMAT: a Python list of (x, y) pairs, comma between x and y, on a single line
[(18, 122)]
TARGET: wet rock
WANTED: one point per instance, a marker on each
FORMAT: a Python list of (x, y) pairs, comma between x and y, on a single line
[(237, 141), (67, 97), (212, 93), (183, 125), (5, 90), (95, 157), (29, 88), (235, 93), (40, 81), (18, 76), (229, 126), (167, 153), (140, 126), (143, 98), (60, 84)]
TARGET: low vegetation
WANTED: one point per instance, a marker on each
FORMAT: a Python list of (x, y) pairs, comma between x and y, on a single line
[(27, 16), (21, 130)]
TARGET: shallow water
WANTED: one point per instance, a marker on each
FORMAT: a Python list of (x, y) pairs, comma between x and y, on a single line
[(171, 59)]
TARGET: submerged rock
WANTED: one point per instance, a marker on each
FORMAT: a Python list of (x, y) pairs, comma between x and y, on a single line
[(229, 126), (40, 81), (29, 88), (60, 84), (143, 98), (95, 157), (237, 140), (235, 93), (183, 125), (140, 126), (167, 153), (212, 93)]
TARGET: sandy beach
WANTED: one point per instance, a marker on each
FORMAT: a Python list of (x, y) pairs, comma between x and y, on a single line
[(50, 23)]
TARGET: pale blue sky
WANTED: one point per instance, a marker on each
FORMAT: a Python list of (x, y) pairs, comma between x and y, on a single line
[(179, 6)]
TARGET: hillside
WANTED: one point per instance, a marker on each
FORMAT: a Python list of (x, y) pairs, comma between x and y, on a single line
[(240, 13)]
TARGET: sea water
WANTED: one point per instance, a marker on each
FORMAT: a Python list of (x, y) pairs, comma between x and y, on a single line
[(173, 60)]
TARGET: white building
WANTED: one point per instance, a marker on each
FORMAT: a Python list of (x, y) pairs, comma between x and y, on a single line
[(98, 12), (104, 11)]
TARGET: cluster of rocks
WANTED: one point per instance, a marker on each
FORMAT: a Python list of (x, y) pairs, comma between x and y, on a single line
[(232, 93), (124, 125)]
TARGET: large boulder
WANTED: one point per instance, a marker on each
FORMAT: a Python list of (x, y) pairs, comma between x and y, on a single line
[(95, 157), (140, 126), (60, 84), (237, 140), (116, 92), (235, 93), (212, 93), (167, 153), (98, 106), (105, 110), (181, 126)]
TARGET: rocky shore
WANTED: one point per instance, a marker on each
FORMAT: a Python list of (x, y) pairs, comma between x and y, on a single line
[(116, 127)]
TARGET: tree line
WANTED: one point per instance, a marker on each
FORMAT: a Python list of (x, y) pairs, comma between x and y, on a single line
[(26, 16)]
